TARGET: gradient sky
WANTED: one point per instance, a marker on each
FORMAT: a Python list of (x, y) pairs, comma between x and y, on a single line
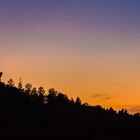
[(85, 48)]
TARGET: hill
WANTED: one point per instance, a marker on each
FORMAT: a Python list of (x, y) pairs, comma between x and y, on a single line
[(31, 114)]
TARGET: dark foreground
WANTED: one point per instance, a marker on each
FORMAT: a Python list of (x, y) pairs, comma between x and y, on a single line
[(29, 114)]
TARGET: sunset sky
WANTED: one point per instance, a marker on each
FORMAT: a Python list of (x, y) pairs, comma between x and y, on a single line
[(85, 48)]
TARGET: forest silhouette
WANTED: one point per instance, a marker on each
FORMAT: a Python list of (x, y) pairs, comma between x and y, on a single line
[(28, 113)]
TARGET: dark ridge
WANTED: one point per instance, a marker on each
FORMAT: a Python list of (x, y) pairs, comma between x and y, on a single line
[(31, 114)]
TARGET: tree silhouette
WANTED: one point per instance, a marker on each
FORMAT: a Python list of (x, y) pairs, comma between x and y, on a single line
[(20, 84), (78, 101), (1, 73), (41, 93), (28, 87), (11, 83), (34, 95), (52, 91), (34, 91), (52, 96)]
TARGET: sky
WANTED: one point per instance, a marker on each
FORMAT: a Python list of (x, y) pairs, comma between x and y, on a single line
[(85, 48)]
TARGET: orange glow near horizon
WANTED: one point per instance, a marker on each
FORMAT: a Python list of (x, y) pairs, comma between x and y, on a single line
[(109, 81)]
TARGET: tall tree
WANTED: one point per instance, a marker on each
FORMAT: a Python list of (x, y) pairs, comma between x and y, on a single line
[(20, 84), (78, 101), (1, 73)]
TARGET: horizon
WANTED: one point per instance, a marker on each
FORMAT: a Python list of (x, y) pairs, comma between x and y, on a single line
[(130, 110), (83, 48)]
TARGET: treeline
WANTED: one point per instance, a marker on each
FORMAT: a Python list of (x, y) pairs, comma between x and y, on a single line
[(38, 95), (27, 113)]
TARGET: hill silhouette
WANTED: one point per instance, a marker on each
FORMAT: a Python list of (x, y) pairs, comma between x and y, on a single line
[(31, 114)]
